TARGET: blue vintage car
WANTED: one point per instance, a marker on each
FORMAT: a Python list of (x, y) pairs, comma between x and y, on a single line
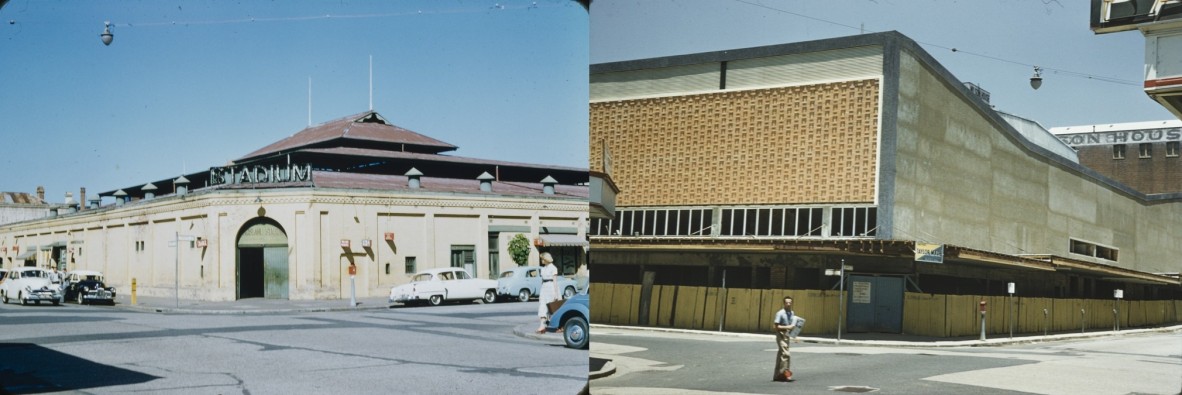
[(522, 283), (573, 317)]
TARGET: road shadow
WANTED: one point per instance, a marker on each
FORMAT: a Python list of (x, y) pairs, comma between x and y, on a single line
[(31, 369)]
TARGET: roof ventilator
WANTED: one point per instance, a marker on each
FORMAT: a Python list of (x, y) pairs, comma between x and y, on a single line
[(548, 185), (120, 197), (486, 181), (414, 178), (149, 191), (182, 186)]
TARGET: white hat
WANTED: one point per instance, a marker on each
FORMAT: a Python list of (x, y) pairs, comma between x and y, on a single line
[(546, 257)]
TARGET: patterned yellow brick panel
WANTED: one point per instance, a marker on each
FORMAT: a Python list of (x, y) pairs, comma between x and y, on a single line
[(806, 144)]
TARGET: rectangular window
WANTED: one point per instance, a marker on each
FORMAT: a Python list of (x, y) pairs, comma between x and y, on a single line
[(464, 256), (494, 254), (410, 265), (1172, 148), (1145, 150), (1118, 151), (1107, 253), (1083, 248)]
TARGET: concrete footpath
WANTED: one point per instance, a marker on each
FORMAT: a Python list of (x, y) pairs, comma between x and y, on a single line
[(601, 366), (155, 304), (904, 340)]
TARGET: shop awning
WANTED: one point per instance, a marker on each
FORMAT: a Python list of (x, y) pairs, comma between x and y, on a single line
[(26, 255), (564, 241)]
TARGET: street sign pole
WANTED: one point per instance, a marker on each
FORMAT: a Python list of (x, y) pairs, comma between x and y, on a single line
[(840, 295), (176, 274), (841, 302)]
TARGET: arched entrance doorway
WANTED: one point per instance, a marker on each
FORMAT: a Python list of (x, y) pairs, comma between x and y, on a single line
[(261, 270)]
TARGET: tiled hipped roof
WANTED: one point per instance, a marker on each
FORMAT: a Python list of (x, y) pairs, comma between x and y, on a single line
[(364, 130)]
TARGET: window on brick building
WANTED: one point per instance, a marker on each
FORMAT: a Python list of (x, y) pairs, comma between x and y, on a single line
[(1118, 151), (1172, 148), (1145, 150)]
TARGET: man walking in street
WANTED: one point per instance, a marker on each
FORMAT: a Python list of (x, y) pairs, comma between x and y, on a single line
[(783, 325)]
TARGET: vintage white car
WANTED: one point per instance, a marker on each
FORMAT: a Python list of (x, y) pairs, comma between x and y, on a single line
[(523, 282), (30, 284), (436, 286)]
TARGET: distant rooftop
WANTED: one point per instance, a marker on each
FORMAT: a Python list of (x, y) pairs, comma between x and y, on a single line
[(1116, 127), (363, 130), (19, 198)]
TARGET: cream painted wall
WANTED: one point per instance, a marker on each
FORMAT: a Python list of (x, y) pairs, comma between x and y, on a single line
[(315, 222), (960, 180)]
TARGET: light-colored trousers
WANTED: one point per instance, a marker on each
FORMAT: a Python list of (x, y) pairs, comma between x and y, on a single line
[(783, 358)]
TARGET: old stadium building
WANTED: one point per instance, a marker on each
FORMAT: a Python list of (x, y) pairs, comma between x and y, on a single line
[(286, 220)]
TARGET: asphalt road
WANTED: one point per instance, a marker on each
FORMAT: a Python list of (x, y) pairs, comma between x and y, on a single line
[(468, 348), (679, 363)]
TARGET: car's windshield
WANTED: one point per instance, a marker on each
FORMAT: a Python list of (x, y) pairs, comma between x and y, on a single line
[(35, 273), (461, 275), (507, 274), (423, 277)]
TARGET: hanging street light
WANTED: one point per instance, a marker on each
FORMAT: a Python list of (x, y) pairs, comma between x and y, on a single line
[(107, 36), (1036, 80)]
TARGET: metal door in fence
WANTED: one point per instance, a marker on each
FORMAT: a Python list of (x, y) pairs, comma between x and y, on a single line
[(875, 304)]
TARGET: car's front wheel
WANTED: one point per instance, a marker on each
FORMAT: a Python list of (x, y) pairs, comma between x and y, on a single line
[(490, 296), (5, 296), (78, 296), (523, 295), (435, 300), (575, 333), (21, 297)]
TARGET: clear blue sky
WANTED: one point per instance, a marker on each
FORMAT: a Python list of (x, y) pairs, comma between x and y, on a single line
[(998, 42), (194, 84)]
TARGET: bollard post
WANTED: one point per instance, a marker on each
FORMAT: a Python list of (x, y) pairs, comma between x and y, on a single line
[(1083, 322), (352, 284), (1045, 321), (133, 291), (982, 319)]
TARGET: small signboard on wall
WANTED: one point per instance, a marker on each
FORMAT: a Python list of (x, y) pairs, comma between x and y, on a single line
[(930, 253), (860, 291)]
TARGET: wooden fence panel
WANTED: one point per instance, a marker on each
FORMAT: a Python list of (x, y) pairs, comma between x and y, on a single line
[(688, 310), (660, 310), (924, 314), (736, 309), (962, 315), (771, 301), (1032, 318), (624, 304), (752, 310), (601, 303), (712, 307)]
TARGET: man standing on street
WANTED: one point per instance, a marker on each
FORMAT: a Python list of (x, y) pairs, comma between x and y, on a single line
[(782, 326)]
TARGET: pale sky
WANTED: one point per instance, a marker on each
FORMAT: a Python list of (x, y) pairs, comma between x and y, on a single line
[(187, 85), (998, 41)]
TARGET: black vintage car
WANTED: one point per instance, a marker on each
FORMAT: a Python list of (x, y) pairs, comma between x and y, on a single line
[(86, 286)]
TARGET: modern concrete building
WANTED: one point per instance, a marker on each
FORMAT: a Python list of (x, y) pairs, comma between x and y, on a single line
[(765, 168), (287, 220)]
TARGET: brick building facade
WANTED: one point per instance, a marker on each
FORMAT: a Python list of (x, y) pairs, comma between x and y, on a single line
[(1142, 155)]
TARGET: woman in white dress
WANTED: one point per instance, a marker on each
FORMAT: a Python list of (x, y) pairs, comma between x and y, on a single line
[(548, 291)]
